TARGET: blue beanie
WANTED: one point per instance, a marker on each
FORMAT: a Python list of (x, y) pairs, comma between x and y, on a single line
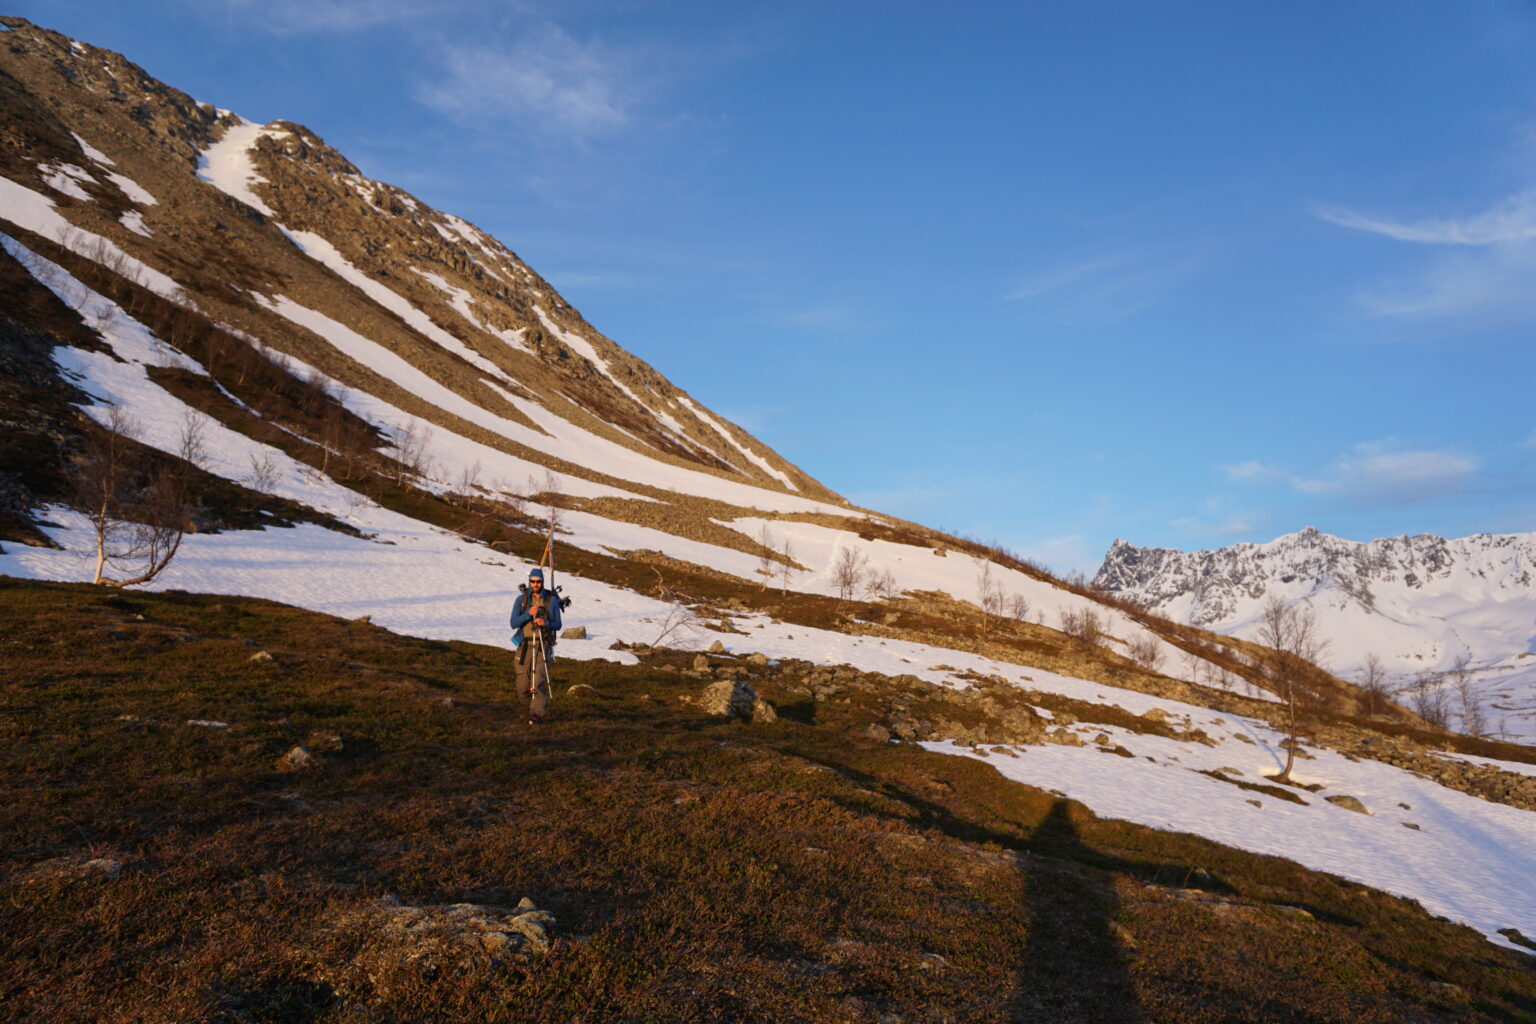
[(536, 574)]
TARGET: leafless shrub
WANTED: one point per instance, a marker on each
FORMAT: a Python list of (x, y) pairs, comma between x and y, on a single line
[(848, 572), (467, 489), (138, 513), (1194, 665), (679, 627), (411, 442), (1018, 607), (1145, 651), (1429, 700), (1474, 720), (765, 556), (1373, 685), (989, 592), (1083, 623), (264, 473), (786, 564), (880, 586), (548, 488)]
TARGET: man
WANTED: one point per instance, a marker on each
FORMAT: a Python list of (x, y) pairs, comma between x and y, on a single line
[(535, 620)]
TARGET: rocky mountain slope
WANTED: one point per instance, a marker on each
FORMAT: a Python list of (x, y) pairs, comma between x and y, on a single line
[(1420, 604), (393, 413)]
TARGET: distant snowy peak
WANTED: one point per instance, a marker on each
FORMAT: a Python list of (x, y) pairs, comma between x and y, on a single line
[(1220, 586)]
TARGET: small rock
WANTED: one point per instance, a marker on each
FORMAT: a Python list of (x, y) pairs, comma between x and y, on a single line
[(106, 865), (878, 733), (297, 759), (1155, 715), (363, 619), (207, 723), (578, 689), (574, 633), (1409, 824), (260, 656), (1349, 803), (729, 699), (717, 648), (759, 659), (1257, 804), (700, 663), (763, 713)]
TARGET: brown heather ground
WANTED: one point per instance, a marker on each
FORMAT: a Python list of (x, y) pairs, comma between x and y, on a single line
[(699, 871)]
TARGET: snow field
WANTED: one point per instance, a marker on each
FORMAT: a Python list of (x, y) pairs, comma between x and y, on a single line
[(1468, 860)]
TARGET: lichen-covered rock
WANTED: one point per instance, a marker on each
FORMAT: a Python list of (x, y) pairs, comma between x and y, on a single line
[(763, 712), (1347, 802), (729, 698), (405, 941), (296, 760), (574, 633)]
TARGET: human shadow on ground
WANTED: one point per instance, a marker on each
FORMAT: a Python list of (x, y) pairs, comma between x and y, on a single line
[(1072, 967)]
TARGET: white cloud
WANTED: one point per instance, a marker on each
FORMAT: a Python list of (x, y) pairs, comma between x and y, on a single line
[(1251, 470), (1374, 472), (546, 82), (1510, 220), (1489, 284), (1485, 280)]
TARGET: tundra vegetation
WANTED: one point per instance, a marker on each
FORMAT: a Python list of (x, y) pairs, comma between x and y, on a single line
[(167, 856)]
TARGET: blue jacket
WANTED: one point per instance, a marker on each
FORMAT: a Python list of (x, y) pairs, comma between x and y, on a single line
[(521, 618)]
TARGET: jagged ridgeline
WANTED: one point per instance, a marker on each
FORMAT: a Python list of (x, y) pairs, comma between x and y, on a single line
[(227, 236)]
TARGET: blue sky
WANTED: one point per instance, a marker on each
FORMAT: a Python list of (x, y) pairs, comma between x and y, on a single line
[(1043, 274)]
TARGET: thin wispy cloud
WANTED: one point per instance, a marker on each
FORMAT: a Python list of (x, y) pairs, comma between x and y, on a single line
[(1511, 220), (1489, 285), (1485, 279), (1373, 472), (1103, 289), (1215, 520), (835, 317), (308, 17), (545, 81)]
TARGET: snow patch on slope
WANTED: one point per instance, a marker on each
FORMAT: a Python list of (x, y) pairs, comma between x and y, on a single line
[(730, 438), (227, 164), (35, 212)]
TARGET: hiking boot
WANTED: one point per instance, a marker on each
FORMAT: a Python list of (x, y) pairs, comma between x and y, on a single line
[(535, 719)]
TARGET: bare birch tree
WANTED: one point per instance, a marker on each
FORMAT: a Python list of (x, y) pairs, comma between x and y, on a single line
[(138, 513), (1373, 683), (847, 572), (989, 593), (1474, 720), (1290, 632)]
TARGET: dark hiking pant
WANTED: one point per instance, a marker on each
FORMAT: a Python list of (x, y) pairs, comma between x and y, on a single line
[(532, 676)]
